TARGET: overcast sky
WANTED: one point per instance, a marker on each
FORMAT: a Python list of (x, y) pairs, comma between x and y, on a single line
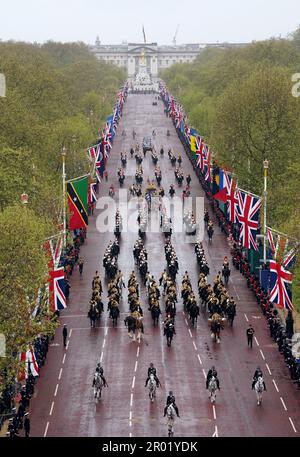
[(117, 20)]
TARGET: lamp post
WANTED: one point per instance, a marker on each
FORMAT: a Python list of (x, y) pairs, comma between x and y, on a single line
[(63, 154), (266, 166)]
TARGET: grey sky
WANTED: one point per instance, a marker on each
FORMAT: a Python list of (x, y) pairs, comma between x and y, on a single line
[(118, 20)]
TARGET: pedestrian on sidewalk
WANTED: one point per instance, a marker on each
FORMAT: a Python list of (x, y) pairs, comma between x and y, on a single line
[(27, 425), (65, 334), (80, 265), (106, 175), (250, 332)]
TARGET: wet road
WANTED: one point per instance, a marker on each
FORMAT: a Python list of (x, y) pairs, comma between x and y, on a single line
[(63, 404)]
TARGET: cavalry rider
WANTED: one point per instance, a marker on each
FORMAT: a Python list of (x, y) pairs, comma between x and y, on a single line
[(99, 369), (171, 401), (212, 372), (257, 374), (169, 323), (152, 370)]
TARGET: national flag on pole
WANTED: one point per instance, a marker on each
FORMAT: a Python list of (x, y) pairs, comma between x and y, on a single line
[(31, 363), (92, 192), (247, 215), (280, 281), (289, 258), (77, 190), (57, 289), (271, 241), (207, 164), (200, 152)]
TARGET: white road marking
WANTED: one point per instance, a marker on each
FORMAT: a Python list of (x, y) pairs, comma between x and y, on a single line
[(50, 414), (256, 341), (70, 333), (133, 382), (237, 295), (262, 354), (103, 344), (67, 344), (135, 367), (106, 330), (101, 357), (215, 435), (214, 412), (56, 389), (138, 351), (46, 429), (131, 399), (60, 373), (268, 368), (275, 385), (292, 424), (204, 372), (195, 346), (130, 424), (130, 415), (246, 317), (64, 359), (190, 333), (283, 404), (186, 322), (199, 358), (130, 435)]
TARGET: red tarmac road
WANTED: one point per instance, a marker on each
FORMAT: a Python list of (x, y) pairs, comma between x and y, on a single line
[(64, 405)]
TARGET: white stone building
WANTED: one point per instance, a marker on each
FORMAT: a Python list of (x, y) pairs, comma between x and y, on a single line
[(158, 58)]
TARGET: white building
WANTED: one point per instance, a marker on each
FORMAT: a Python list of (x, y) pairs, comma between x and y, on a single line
[(157, 57)]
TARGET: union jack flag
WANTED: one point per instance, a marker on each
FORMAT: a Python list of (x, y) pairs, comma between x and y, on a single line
[(232, 199), (200, 152), (280, 279), (207, 164), (57, 289), (247, 215), (289, 258)]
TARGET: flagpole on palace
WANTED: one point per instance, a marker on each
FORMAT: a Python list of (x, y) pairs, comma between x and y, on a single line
[(266, 166), (63, 153)]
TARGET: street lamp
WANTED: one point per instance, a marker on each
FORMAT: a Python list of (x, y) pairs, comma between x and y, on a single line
[(266, 166), (63, 154)]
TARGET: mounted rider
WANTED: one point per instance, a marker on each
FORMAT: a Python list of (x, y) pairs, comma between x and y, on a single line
[(257, 374), (152, 370), (169, 324), (212, 373), (171, 401), (99, 369)]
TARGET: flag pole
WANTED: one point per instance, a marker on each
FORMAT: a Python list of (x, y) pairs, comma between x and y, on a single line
[(266, 166), (63, 153)]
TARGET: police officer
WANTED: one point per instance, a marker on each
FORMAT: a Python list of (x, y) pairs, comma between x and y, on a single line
[(212, 372), (171, 400), (257, 374), (152, 370), (250, 333)]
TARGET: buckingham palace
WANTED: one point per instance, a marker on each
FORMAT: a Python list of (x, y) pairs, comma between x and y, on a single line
[(157, 57)]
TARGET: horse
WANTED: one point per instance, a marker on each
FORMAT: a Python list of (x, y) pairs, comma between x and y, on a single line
[(98, 385), (169, 332), (210, 232), (92, 314), (170, 419), (152, 387), (114, 314), (194, 313), (226, 273), (215, 328), (259, 387), (212, 387), (155, 312)]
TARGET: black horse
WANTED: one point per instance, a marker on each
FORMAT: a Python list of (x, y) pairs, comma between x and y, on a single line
[(194, 313), (114, 314), (169, 332), (155, 313)]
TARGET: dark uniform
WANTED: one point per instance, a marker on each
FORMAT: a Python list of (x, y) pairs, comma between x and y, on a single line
[(171, 400), (212, 372), (257, 374), (250, 332), (152, 370)]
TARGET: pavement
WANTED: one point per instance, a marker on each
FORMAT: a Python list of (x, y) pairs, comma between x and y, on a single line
[(64, 404)]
